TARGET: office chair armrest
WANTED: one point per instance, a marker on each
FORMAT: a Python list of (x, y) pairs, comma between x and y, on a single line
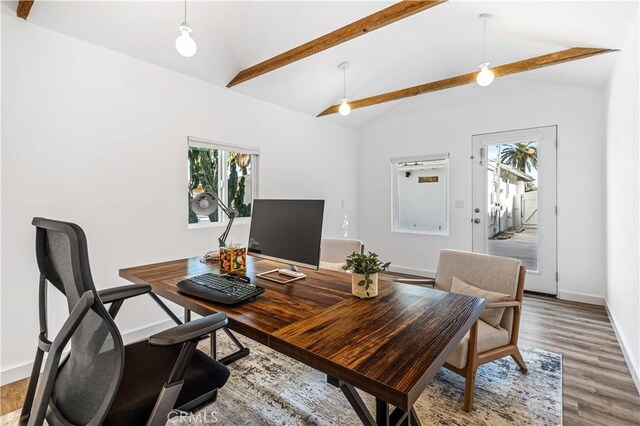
[(191, 330), (416, 281), (503, 304), (114, 294)]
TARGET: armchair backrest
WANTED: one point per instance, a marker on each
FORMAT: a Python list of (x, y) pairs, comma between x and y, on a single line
[(86, 382), (493, 273)]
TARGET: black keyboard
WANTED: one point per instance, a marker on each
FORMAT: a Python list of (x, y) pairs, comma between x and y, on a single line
[(224, 289)]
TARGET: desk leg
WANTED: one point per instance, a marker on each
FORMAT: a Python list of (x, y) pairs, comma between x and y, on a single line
[(355, 400), (413, 418), (397, 417), (382, 413), (213, 346), (240, 353), (212, 336)]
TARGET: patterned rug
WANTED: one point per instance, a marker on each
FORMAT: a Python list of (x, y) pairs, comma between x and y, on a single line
[(267, 388)]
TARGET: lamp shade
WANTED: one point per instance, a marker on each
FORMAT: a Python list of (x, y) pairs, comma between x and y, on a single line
[(204, 204)]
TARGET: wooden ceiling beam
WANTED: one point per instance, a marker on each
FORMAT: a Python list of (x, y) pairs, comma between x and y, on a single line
[(572, 54), (24, 7), (363, 26)]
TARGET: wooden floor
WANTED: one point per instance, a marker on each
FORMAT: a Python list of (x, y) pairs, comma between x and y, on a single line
[(597, 386)]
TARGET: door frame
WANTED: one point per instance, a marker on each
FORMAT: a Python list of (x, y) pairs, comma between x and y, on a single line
[(504, 137)]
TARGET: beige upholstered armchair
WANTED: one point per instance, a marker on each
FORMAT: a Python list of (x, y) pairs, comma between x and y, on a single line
[(500, 281), (334, 252)]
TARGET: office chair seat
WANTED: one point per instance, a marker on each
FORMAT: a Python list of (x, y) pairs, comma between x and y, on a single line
[(146, 370)]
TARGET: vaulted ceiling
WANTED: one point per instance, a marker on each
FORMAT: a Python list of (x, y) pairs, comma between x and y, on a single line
[(440, 42)]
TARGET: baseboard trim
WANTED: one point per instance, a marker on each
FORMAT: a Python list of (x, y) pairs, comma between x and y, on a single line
[(19, 372), (635, 373), (580, 297), (412, 271)]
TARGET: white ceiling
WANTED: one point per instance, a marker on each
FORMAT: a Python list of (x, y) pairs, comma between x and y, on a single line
[(437, 43)]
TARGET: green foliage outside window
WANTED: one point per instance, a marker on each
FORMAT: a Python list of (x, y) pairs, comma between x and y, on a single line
[(203, 170), (236, 186), (522, 155)]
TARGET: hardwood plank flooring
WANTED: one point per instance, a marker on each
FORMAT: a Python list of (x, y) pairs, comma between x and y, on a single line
[(12, 396), (597, 386)]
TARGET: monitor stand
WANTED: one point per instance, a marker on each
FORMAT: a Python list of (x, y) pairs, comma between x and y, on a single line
[(275, 275)]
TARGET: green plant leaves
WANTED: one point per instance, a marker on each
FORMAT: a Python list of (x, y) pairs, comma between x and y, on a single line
[(203, 169), (521, 155), (366, 264)]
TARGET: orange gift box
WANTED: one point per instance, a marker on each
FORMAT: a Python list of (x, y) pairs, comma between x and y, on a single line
[(233, 258)]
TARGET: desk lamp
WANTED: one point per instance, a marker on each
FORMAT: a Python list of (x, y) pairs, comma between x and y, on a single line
[(206, 203)]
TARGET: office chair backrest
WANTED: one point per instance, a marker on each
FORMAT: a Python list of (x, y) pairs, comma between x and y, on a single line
[(88, 379)]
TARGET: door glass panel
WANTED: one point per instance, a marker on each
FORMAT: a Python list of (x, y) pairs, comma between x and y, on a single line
[(512, 201)]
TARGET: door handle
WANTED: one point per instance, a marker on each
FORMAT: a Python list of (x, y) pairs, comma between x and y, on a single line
[(476, 220)]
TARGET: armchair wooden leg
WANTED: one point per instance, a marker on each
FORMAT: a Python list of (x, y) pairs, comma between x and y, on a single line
[(469, 389), (470, 371), (517, 357)]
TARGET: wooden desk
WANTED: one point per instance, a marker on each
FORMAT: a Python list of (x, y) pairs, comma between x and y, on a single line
[(389, 346)]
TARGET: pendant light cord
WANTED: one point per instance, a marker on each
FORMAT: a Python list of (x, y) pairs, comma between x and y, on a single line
[(344, 83), (185, 10), (484, 42)]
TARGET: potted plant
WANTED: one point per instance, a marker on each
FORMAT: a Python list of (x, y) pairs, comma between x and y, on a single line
[(364, 269)]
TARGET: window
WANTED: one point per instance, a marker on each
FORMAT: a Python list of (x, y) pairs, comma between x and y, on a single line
[(230, 171), (421, 194)]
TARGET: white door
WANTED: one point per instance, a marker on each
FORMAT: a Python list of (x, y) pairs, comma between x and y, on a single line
[(514, 201)]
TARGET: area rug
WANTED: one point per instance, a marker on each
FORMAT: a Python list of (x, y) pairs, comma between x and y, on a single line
[(268, 388)]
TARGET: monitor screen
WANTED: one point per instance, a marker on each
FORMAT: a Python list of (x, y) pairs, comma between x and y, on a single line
[(288, 231)]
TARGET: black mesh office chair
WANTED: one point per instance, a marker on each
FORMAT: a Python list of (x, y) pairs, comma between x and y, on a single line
[(102, 381)]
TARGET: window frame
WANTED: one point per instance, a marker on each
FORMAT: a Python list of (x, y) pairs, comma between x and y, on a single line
[(223, 150), (395, 162)]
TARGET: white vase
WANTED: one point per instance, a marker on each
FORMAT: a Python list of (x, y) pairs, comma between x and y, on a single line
[(360, 290)]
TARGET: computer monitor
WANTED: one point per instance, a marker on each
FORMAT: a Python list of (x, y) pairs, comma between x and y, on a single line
[(287, 231)]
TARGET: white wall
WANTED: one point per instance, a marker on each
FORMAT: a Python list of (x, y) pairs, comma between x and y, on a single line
[(445, 122), (99, 138), (623, 191)]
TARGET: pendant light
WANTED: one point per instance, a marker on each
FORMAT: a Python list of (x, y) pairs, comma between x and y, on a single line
[(185, 45), (344, 108), (485, 76)]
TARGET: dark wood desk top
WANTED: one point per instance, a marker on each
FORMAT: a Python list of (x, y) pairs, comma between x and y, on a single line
[(389, 346)]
